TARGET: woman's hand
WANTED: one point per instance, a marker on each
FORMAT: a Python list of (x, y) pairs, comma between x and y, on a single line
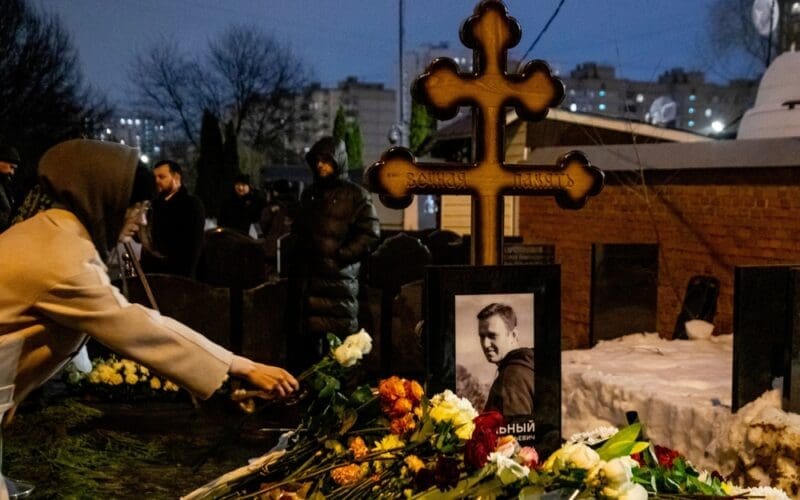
[(272, 380)]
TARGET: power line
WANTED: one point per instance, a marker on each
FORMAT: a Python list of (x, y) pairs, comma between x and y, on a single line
[(544, 29)]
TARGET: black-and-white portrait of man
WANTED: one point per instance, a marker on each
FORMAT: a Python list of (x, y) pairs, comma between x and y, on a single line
[(494, 351)]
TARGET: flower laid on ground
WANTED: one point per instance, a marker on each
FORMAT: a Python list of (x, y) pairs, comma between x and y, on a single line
[(118, 378), (393, 441)]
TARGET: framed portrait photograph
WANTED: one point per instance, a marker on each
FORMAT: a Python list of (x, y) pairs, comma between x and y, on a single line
[(493, 336)]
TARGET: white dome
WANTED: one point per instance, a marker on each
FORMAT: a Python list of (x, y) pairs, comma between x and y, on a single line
[(770, 117)]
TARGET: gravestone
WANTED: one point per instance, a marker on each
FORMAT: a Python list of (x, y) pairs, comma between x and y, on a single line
[(446, 247), (235, 261), (264, 338), (791, 374), (231, 259), (286, 245), (397, 177), (700, 302), (408, 354), (766, 305), (200, 306), (530, 254), (400, 259)]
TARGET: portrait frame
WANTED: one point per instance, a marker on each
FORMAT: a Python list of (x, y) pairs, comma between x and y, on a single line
[(443, 284)]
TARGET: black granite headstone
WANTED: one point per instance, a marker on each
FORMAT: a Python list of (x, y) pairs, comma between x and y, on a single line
[(447, 248), (700, 302), (264, 339), (200, 306), (231, 259), (764, 305), (400, 259), (791, 380)]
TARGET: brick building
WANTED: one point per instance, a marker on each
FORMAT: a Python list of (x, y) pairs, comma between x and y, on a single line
[(702, 208)]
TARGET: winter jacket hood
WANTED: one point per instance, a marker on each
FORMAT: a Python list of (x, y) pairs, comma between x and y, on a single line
[(93, 180), (332, 150)]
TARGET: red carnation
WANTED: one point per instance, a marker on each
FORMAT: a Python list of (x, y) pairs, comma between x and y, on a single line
[(665, 456), (480, 445), (490, 419)]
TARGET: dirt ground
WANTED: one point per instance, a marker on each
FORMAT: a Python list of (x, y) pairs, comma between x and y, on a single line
[(77, 448)]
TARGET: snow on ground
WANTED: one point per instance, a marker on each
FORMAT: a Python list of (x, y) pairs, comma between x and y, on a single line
[(681, 390)]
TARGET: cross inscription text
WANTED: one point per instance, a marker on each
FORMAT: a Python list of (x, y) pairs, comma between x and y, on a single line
[(489, 89)]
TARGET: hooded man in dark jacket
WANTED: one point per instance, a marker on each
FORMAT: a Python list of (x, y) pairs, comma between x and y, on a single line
[(336, 228)]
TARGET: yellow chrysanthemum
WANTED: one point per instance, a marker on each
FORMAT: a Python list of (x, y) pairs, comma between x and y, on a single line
[(170, 386), (115, 379), (155, 383), (390, 442), (414, 463), (131, 378)]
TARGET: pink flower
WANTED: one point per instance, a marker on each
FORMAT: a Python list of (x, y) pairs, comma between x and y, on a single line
[(528, 457)]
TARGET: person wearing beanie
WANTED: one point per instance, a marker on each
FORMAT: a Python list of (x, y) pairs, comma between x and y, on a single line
[(335, 228), (243, 206), (9, 161), (57, 293)]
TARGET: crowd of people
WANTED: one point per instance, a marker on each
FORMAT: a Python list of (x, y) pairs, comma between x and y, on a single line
[(92, 195)]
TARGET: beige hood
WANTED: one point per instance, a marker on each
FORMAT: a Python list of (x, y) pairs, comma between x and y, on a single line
[(93, 180)]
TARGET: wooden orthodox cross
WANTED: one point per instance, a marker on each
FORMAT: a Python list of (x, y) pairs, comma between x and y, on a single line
[(489, 89)]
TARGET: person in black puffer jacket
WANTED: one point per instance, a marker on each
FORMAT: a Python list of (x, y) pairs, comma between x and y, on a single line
[(335, 227)]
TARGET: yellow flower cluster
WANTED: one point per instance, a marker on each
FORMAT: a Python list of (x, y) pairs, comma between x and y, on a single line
[(447, 407), (113, 371)]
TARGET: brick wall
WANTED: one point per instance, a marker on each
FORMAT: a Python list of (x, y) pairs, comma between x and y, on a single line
[(705, 222)]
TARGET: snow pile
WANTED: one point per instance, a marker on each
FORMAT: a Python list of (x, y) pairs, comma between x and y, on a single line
[(681, 390)]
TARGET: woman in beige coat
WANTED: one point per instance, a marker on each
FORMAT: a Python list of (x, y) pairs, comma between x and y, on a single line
[(55, 291)]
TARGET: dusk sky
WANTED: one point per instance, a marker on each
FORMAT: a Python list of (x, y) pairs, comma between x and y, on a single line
[(338, 38)]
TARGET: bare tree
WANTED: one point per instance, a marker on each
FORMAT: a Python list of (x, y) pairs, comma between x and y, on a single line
[(732, 39), (167, 83), (245, 77), (43, 99)]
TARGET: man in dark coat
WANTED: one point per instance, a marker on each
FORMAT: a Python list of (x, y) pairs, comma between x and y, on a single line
[(177, 222), (243, 206), (336, 227), (9, 160), (512, 390)]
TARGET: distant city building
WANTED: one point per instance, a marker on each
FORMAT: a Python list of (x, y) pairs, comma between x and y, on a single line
[(678, 99), (144, 133), (370, 104)]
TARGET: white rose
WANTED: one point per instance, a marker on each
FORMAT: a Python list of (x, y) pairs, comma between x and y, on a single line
[(617, 471), (508, 470), (632, 491), (346, 356), (359, 340), (582, 457)]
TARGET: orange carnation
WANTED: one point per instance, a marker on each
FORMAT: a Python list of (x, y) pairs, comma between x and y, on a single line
[(391, 388), (403, 424), (347, 474), (358, 447)]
